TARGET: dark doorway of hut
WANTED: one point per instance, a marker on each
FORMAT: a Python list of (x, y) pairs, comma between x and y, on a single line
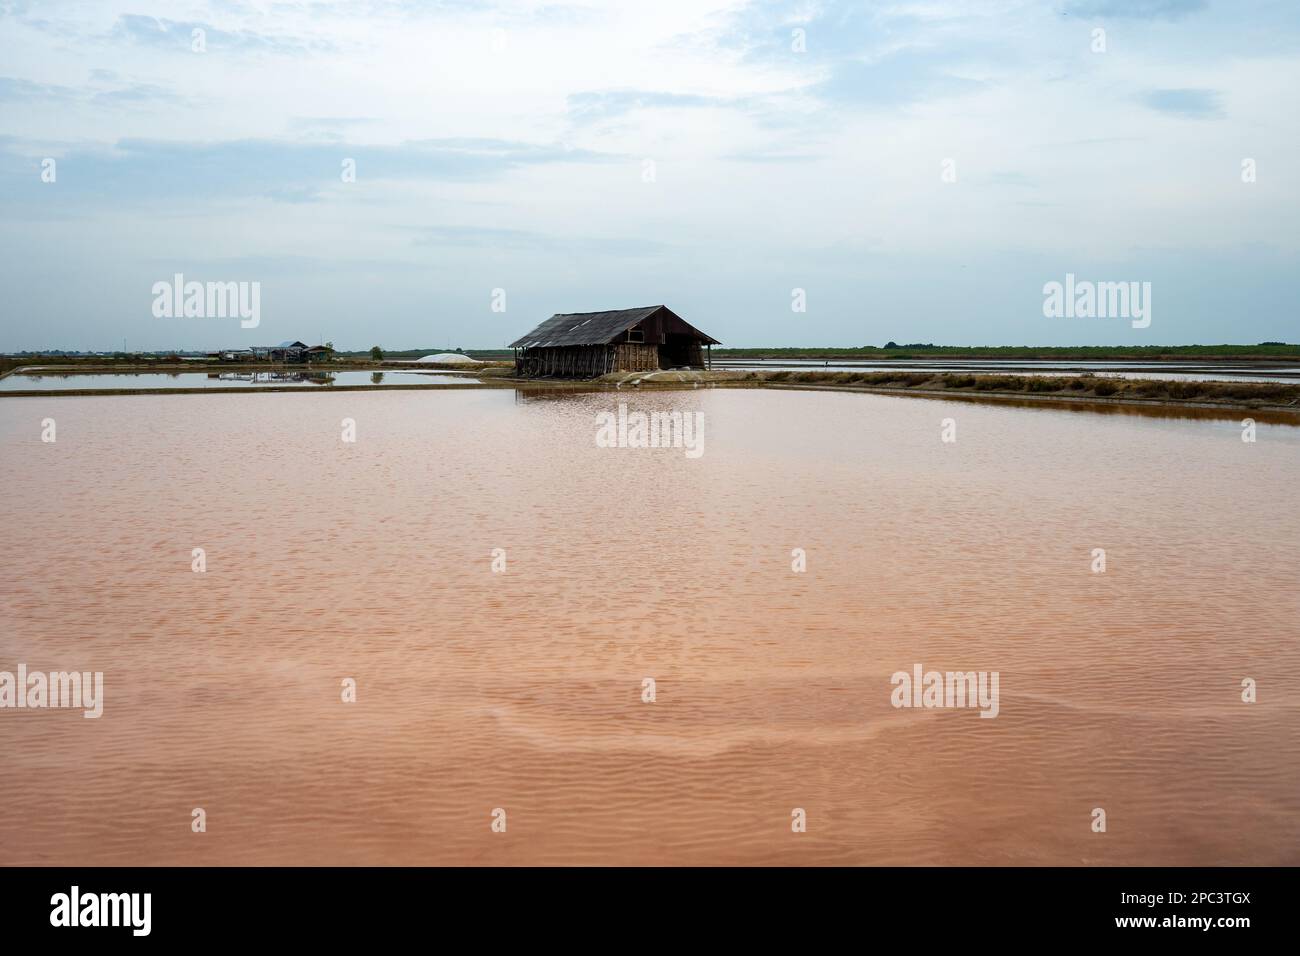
[(680, 351)]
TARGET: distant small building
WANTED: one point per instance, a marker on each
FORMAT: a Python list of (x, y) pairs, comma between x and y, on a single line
[(590, 344), (287, 352), (290, 352)]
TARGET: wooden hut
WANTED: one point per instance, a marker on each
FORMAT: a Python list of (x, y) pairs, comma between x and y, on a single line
[(588, 344)]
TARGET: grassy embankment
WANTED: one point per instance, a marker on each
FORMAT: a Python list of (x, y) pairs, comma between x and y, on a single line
[(1081, 387), (1268, 351)]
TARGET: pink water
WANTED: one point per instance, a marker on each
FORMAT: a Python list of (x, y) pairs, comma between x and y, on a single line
[(522, 690)]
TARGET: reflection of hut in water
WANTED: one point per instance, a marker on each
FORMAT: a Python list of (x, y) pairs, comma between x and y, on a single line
[(274, 376), (588, 344)]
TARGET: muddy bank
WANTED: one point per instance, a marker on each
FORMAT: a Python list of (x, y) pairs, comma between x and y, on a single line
[(1075, 389)]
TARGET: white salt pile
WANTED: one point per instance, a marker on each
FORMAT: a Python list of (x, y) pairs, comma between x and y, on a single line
[(449, 358)]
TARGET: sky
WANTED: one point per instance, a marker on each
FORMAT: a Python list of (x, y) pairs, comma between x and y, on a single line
[(422, 174)]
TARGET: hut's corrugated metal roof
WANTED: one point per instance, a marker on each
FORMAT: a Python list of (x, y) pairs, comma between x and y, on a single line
[(583, 328), (590, 328)]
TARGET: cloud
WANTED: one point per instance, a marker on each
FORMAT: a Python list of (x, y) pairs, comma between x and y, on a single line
[(327, 126), (896, 78), (147, 170), (136, 94), (295, 194), (179, 35), (766, 156), (1135, 9), (1192, 104), (519, 239), (763, 30), (592, 106), (899, 78), (15, 89), (866, 55), (473, 152), (1011, 178), (106, 89)]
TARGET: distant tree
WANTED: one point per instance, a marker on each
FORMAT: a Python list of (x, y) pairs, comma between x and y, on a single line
[(891, 345), (330, 346), (376, 353)]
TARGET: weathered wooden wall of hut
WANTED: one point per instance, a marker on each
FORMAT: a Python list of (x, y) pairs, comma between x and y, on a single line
[(572, 361), (637, 357)]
